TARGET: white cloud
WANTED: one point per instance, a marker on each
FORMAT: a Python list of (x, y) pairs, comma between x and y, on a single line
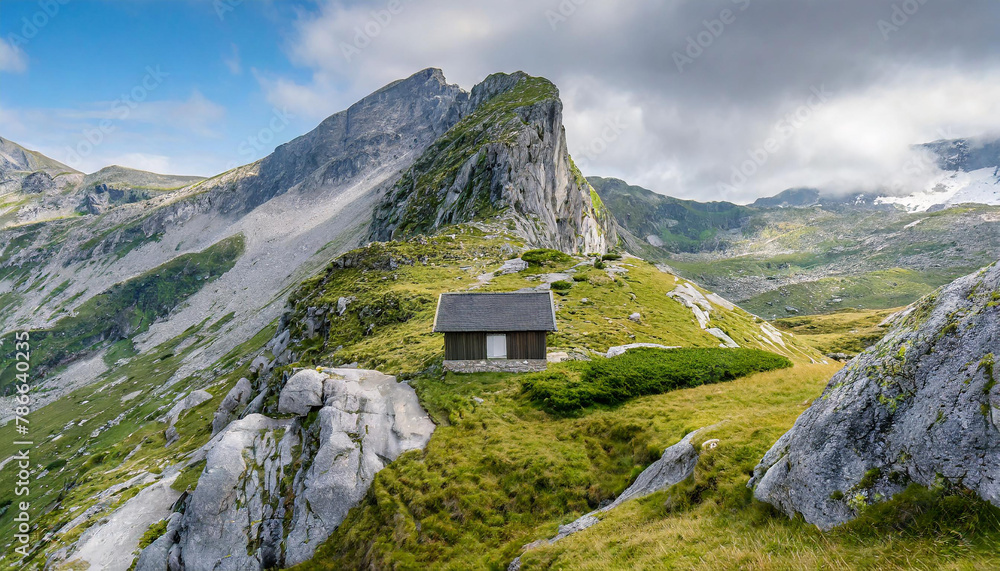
[(196, 114), (12, 58), (142, 161), (315, 101), (683, 133), (233, 61), (154, 135)]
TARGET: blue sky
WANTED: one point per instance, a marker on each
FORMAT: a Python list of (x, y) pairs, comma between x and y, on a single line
[(674, 95), (205, 97)]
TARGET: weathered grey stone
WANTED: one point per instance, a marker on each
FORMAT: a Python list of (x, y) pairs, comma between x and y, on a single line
[(257, 404), (236, 399), (636, 317), (557, 357), (155, 557), (917, 407), (301, 392), (368, 420), (171, 435), (193, 399), (236, 518), (225, 513), (496, 365), (512, 266), (620, 349), (259, 364), (343, 302), (279, 343)]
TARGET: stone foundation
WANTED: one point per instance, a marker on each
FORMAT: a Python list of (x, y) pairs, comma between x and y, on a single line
[(496, 366)]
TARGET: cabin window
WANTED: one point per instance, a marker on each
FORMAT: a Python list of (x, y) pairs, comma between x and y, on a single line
[(496, 346)]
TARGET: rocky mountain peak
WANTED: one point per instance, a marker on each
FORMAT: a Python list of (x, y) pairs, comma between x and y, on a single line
[(505, 160), (922, 406)]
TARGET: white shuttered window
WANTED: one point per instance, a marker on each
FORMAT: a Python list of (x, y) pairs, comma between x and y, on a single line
[(496, 346)]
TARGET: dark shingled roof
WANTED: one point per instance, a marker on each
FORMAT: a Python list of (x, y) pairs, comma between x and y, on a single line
[(514, 311)]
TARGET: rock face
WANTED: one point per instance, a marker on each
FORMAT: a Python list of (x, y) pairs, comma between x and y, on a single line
[(274, 488), (237, 398), (505, 158), (921, 406)]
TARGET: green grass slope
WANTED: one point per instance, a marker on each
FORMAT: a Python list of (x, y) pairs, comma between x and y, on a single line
[(501, 471)]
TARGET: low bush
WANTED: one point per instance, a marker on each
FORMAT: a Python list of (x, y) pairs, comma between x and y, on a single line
[(545, 256), (188, 478), (644, 371), (922, 512), (55, 464), (561, 286), (154, 532), (611, 256)]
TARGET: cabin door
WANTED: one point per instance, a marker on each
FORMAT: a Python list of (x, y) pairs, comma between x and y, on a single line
[(496, 346)]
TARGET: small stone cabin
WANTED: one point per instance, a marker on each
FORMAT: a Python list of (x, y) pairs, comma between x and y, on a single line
[(495, 331)]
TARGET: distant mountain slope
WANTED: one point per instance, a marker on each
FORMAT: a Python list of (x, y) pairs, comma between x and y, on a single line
[(123, 177), (28, 179), (965, 154), (671, 223), (803, 252), (36, 188), (15, 158), (312, 194)]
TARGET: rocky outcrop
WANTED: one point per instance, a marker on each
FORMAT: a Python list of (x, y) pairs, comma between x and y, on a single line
[(236, 399), (37, 182), (506, 159), (621, 349), (675, 465), (922, 406), (191, 400), (274, 488)]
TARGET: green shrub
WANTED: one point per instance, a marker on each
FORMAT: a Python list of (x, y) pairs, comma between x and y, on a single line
[(611, 256), (188, 478), (545, 256), (579, 277), (921, 512), (599, 264), (561, 286), (645, 371), (154, 532), (55, 464)]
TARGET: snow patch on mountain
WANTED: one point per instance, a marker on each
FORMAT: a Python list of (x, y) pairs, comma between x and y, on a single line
[(981, 186)]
